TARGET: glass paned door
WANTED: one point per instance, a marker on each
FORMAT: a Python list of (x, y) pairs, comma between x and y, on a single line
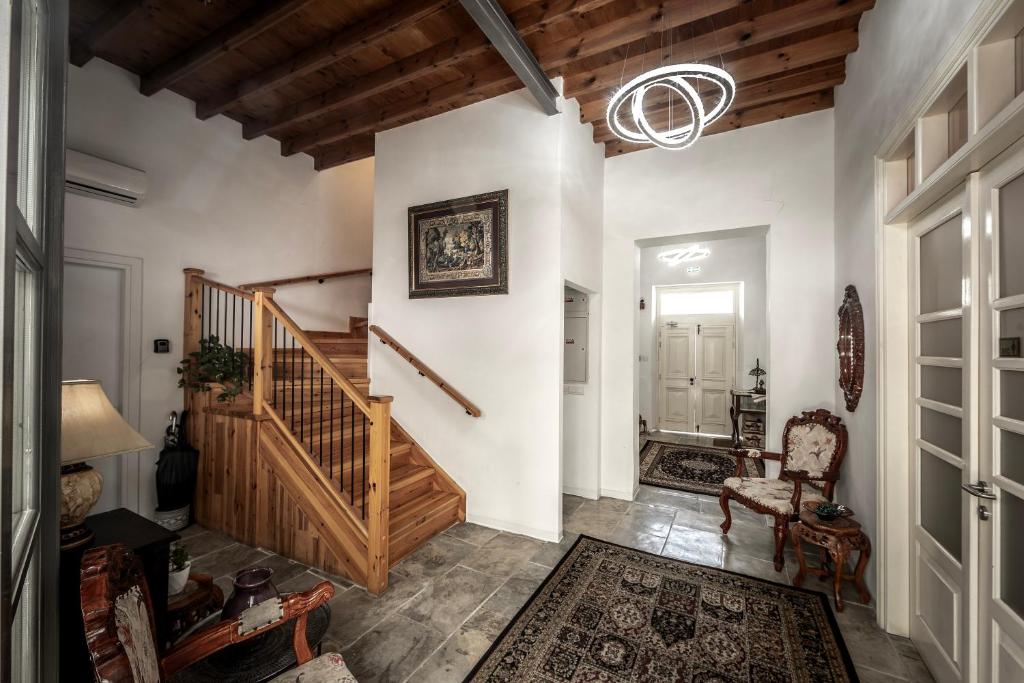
[(33, 38), (941, 248), (1000, 513)]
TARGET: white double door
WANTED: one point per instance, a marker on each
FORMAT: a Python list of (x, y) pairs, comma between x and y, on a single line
[(696, 371), (967, 436)]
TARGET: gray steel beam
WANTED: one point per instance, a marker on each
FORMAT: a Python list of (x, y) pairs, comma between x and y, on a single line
[(493, 21)]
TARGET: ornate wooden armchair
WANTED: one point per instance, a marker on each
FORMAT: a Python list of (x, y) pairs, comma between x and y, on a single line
[(813, 449), (121, 634)]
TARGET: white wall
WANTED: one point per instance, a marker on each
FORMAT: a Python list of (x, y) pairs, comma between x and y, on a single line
[(582, 220), (235, 208), (503, 352), (882, 77), (740, 259), (778, 175)]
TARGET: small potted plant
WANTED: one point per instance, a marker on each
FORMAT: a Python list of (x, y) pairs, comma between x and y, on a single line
[(178, 571), (214, 363)]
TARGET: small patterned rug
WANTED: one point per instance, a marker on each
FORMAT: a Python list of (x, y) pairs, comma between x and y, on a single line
[(696, 469), (609, 613)]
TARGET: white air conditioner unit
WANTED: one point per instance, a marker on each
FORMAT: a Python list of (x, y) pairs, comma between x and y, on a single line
[(91, 176)]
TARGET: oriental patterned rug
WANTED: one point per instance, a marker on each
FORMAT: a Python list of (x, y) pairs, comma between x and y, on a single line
[(696, 469), (609, 613)]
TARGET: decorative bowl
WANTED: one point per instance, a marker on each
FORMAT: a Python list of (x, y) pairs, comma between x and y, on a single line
[(828, 512)]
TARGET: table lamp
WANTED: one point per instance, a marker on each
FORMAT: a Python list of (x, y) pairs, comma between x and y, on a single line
[(90, 428)]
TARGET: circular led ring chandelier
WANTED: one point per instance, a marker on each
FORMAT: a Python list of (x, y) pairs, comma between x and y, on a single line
[(676, 79)]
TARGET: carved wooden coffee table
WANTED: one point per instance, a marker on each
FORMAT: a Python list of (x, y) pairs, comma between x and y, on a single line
[(837, 539)]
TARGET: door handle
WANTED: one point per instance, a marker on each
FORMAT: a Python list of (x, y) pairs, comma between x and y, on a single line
[(980, 489), (691, 381)]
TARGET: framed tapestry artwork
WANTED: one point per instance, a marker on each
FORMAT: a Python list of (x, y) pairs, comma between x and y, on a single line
[(459, 247)]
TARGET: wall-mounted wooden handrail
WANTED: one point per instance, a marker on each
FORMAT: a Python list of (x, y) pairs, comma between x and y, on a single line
[(322, 360), (318, 277), (422, 368)]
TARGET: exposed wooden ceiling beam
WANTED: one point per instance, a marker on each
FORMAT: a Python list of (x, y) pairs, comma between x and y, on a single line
[(817, 79), (262, 17), (528, 20), (399, 16), (788, 58), (746, 69), (660, 117), (758, 30), (804, 104), (82, 49), (679, 12), (352, 149), (469, 89)]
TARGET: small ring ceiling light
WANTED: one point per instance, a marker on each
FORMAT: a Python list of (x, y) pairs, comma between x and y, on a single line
[(674, 257), (677, 80)]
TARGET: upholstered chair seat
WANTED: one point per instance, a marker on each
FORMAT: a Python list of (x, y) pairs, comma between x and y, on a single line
[(813, 446), (775, 494)]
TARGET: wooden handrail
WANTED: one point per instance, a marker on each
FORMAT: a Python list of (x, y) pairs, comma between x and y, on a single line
[(226, 288), (422, 368), (319, 277), (313, 350)]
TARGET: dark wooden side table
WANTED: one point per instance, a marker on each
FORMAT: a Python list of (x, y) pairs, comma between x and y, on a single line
[(837, 539), (200, 598), (150, 542)]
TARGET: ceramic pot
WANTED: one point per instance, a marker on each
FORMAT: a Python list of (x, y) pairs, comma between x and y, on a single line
[(252, 586), (176, 580)]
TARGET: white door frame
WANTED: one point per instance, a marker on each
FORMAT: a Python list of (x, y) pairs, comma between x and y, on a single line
[(131, 375), (737, 322)]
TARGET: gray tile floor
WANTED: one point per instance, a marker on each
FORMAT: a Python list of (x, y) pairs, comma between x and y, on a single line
[(450, 599)]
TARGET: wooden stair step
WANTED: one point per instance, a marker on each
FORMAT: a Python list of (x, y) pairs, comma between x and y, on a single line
[(416, 512), (403, 477)]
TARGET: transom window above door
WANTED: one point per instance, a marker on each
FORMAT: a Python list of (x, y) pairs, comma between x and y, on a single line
[(698, 302)]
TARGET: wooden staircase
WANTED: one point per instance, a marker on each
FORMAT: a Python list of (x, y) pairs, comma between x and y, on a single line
[(306, 462)]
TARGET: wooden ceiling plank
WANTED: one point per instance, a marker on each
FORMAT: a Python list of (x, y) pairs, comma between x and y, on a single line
[(528, 20), (764, 64), (399, 16), (818, 79), (83, 49), (758, 30), (638, 19), (398, 73), (771, 62), (262, 17), (349, 151), (469, 89), (805, 104), (660, 117)]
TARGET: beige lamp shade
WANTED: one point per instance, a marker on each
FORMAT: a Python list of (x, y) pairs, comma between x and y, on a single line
[(91, 427)]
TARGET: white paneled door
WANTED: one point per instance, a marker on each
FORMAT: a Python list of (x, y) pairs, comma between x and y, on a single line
[(967, 564), (676, 381), (697, 368), (943, 452), (997, 495)]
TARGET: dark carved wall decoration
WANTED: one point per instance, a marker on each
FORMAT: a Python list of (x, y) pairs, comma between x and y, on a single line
[(851, 348)]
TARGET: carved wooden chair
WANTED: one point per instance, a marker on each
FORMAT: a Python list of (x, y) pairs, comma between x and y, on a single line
[(814, 446), (121, 634)]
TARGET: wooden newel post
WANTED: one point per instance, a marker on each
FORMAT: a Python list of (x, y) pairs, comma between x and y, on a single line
[(262, 349), (379, 493), (193, 324)]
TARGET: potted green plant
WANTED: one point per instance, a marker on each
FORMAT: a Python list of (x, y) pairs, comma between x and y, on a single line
[(214, 363), (179, 568)]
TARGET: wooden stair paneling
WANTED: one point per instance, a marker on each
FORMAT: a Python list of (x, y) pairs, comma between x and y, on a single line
[(415, 522)]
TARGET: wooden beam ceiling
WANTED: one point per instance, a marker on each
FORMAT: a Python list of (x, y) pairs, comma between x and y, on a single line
[(323, 77)]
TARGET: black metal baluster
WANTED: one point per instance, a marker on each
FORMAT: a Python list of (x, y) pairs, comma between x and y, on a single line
[(209, 309), (253, 371), (217, 326), (352, 457), (352, 445), (202, 311), (273, 363), (310, 428), (234, 319)]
